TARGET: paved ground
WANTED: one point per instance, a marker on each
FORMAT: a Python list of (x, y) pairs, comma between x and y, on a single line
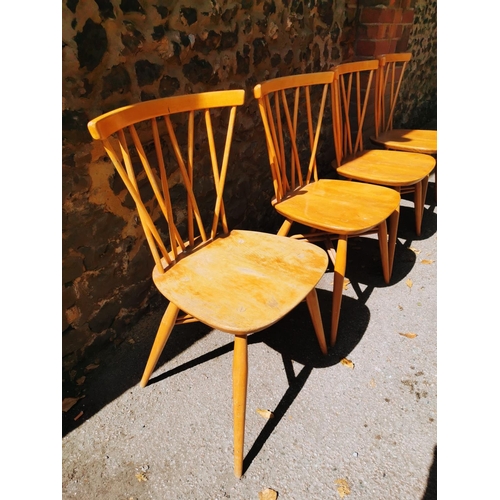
[(370, 429)]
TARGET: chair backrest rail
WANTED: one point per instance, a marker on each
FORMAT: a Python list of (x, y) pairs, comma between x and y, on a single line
[(141, 154)]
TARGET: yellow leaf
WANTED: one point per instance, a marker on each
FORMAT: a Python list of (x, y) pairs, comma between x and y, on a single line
[(426, 261), (268, 494), (347, 362), (141, 476), (346, 283), (343, 487), (413, 249), (265, 413), (372, 383), (409, 283), (408, 335), (68, 403)]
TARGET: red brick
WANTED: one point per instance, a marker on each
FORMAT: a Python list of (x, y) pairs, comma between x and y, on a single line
[(375, 31), (391, 30), (373, 47), (399, 31), (407, 17), (373, 15), (398, 15)]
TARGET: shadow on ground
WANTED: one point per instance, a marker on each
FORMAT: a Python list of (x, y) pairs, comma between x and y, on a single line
[(431, 490), (121, 367), (293, 337)]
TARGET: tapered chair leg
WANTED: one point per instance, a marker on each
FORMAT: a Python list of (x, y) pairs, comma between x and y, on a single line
[(419, 207), (425, 184), (164, 330), (313, 305), (393, 238), (285, 228), (436, 184), (384, 251), (338, 285), (240, 379)]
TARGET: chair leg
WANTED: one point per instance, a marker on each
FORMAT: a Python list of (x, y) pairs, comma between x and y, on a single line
[(419, 206), (240, 378), (436, 183), (393, 238), (314, 311), (285, 228), (164, 330), (338, 285), (384, 251), (425, 185)]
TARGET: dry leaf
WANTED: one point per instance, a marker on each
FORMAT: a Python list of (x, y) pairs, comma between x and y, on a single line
[(413, 249), (372, 383), (131, 341), (408, 335), (81, 380), (347, 362), (346, 283), (141, 476), (342, 488), (92, 366), (268, 494), (78, 416), (426, 261), (409, 283), (265, 413), (400, 307), (68, 403)]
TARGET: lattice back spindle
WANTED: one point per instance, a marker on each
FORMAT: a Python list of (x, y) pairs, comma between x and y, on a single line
[(292, 110), (159, 148), (391, 73), (353, 100)]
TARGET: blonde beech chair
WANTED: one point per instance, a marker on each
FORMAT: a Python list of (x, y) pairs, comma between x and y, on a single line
[(237, 281), (389, 77), (391, 70), (352, 93), (292, 110)]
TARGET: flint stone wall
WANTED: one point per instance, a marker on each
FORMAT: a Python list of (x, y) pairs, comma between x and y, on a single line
[(116, 52)]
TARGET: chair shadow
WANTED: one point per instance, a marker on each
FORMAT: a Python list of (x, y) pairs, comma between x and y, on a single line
[(121, 367), (364, 267), (293, 337), (431, 490), (289, 339), (406, 229)]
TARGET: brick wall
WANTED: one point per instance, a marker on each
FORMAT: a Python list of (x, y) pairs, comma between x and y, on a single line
[(120, 51), (384, 26)]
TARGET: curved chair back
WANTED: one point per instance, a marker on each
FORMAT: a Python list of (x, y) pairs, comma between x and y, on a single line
[(158, 148), (353, 99), (292, 109)]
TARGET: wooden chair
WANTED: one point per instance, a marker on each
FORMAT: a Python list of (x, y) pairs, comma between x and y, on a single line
[(329, 208), (390, 75), (236, 281), (352, 93)]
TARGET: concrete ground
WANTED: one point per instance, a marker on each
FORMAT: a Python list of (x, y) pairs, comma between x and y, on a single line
[(364, 431)]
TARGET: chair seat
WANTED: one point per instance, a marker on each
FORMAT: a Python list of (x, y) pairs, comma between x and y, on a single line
[(243, 282), (416, 141), (340, 207), (388, 168)]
